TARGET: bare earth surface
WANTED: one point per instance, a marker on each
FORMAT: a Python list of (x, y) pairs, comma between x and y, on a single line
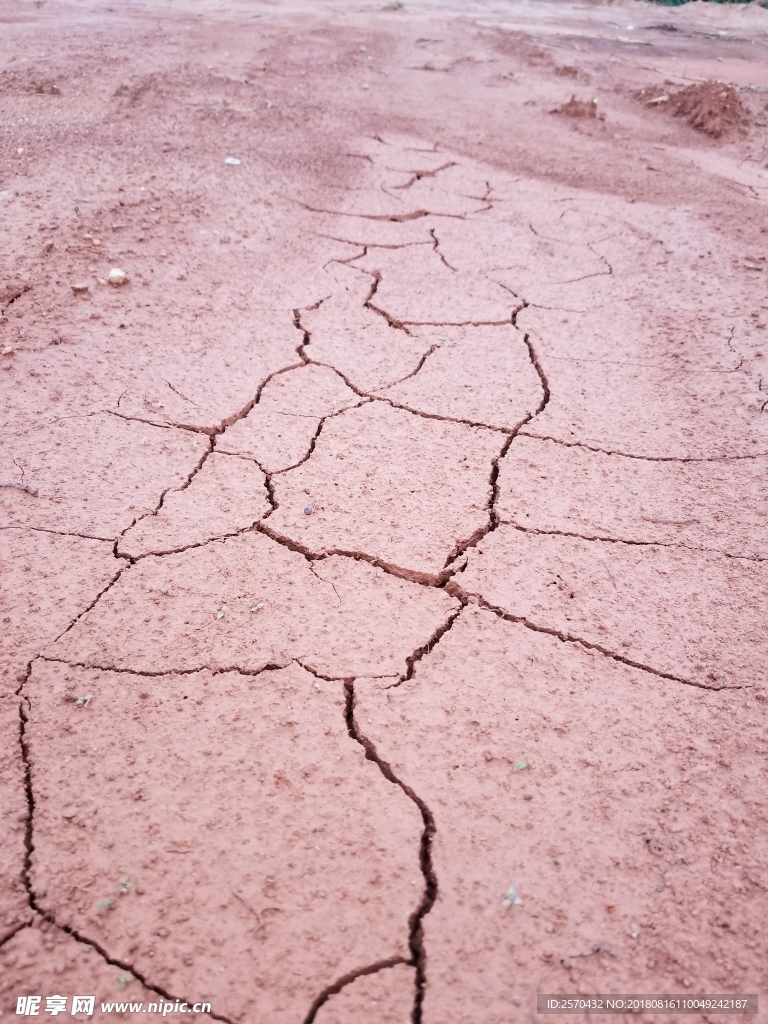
[(384, 562)]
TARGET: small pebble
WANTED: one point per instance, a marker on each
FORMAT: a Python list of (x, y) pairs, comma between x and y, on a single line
[(307, 510), (232, 161), (117, 277), (80, 287), (512, 899), (7, 351)]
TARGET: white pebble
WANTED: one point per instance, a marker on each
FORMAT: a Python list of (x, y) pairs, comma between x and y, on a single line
[(117, 277)]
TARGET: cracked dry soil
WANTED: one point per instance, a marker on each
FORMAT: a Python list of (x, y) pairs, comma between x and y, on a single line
[(395, 538)]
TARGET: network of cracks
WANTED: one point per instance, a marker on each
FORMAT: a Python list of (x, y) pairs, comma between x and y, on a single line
[(356, 493)]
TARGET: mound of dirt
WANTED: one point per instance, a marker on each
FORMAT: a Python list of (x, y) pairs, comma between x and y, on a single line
[(579, 108), (710, 107)]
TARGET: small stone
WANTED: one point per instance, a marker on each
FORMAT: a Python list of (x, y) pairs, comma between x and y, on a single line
[(117, 277), (232, 161), (80, 287), (512, 898), (7, 351)]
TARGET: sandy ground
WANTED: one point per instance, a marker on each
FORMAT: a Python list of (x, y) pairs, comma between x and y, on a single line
[(384, 561)]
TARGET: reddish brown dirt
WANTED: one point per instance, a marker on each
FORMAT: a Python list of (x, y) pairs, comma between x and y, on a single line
[(578, 108), (384, 561), (711, 107)]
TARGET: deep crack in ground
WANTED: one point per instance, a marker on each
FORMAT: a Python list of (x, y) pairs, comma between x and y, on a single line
[(416, 936)]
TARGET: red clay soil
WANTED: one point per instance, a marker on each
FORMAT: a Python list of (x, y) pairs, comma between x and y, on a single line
[(578, 108), (712, 107), (383, 512)]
